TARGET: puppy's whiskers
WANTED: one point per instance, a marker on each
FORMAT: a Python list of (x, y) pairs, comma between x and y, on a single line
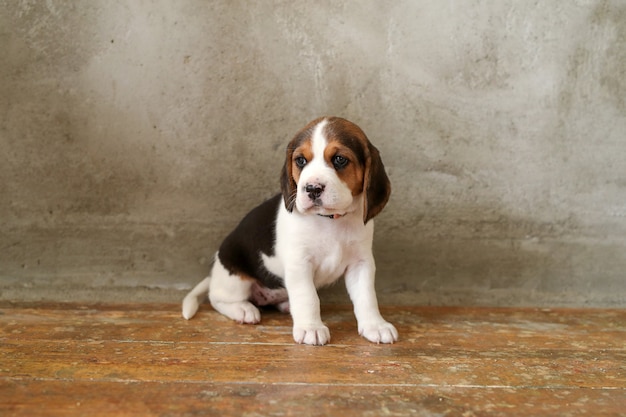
[(291, 201)]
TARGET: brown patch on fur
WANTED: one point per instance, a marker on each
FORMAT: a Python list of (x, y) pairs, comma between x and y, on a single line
[(375, 181), (245, 277), (304, 150), (290, 173), (352, 173)]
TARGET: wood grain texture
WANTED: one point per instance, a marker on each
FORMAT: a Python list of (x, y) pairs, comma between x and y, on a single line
[(115, 360)]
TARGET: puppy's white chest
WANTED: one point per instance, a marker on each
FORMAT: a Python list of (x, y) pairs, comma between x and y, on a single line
[(326, 259), (329, 262), (317, 247)]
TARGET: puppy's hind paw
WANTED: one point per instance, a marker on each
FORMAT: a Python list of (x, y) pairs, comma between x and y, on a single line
[(383, 332), (242, 312), (311, 335)]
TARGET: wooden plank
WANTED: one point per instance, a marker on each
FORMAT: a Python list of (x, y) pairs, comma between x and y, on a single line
[(480, 329), (266, 363), (98, 398), (63, 359)]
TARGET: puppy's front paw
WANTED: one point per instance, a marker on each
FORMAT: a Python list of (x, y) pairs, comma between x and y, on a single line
[(380, 332), (311, 335)]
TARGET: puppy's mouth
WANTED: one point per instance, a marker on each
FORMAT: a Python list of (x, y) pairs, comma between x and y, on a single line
[(320, 210)]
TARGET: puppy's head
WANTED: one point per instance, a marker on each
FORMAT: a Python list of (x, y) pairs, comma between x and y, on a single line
[(332, 169)]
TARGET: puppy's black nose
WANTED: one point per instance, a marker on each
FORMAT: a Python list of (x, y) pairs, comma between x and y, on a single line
[(314, 190)]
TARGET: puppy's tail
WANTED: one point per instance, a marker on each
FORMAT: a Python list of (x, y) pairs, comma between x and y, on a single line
[(192, 301)]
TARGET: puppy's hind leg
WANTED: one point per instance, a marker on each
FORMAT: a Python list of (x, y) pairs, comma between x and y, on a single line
[(230, 294)]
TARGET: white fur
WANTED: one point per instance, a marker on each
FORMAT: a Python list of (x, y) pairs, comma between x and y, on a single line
[(228, 294), (314, 251), (311, 251)]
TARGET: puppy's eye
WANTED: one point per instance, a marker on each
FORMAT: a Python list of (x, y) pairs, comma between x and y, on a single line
[(339, 161), (300, 161)]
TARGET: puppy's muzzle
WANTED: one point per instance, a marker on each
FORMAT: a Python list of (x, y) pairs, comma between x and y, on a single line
[(314, 191)]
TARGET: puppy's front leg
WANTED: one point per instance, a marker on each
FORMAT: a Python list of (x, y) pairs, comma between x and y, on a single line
[(360, 284), (305, 308)]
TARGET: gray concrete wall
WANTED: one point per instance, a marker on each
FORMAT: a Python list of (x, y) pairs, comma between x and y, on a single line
[(135, 134)]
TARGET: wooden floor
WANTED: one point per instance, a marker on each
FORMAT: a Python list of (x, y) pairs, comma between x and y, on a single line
[(145, 360)]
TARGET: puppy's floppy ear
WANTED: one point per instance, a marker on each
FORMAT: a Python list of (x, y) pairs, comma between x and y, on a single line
[(287, 183), (376, 184)]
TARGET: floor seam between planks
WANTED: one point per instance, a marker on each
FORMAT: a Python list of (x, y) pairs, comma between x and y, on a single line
[(314, 384)]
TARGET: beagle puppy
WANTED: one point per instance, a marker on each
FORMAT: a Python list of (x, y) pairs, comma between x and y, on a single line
[(319, 229)]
